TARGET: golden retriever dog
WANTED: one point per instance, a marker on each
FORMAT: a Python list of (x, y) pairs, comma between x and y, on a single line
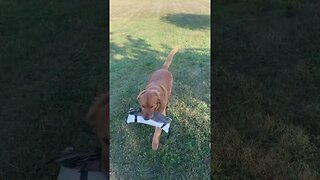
[(155, 97), (98, 118)]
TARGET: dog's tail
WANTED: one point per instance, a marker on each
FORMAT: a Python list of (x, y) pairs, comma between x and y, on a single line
[(169, 59)]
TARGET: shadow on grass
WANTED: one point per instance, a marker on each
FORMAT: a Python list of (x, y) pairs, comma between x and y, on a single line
[(189, 21), (48, 82), (131, 153), (265, 87)]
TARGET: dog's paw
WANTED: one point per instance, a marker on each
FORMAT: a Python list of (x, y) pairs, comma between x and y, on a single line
[(155, 143), (156, 139), (155, 146)]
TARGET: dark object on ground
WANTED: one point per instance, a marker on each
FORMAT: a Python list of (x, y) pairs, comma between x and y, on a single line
[(82, 165)]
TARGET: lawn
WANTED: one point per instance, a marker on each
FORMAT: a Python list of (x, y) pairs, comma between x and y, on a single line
[(266, 81), (142, 33), (53, 63)]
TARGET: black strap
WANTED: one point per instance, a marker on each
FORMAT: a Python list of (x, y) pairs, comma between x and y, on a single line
[(163, 125), (135, 118), (169, 130), (83, 175)]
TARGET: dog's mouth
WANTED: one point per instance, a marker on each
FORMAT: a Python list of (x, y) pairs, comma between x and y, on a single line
[(147, 117)]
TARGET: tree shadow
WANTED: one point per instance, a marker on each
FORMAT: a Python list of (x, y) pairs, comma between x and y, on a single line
[(137, 47), (271, 64), (266, 71), (189, 21)]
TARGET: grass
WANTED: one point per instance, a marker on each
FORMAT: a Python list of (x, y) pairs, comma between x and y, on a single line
[(266, 80), (142, 34), (52, 66)]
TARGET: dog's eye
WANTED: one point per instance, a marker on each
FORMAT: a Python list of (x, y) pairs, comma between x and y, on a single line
[(143, 106), (151, 107)]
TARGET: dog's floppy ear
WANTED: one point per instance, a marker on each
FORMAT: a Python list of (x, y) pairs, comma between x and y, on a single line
[(142, 92)]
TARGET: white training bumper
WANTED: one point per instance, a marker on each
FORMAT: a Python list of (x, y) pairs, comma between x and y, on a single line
[(140, 119)]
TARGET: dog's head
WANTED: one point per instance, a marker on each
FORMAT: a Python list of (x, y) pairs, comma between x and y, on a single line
[(149, 101)]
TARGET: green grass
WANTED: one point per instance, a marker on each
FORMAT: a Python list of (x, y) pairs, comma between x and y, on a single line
[(266, 81), (142, 34), (53, 63)]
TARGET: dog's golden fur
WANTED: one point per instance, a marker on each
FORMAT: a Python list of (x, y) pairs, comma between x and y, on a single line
[(98, 118), (155, 97)]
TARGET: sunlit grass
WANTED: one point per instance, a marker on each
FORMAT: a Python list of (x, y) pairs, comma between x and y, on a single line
[(141, 39)]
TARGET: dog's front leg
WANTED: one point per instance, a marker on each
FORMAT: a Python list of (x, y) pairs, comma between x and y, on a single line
[(156, 135), (156, 138)]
